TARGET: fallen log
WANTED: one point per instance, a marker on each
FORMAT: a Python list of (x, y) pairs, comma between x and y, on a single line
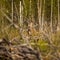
[(17, 52)]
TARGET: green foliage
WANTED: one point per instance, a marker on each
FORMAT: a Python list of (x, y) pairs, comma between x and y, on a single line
[(42, 45)]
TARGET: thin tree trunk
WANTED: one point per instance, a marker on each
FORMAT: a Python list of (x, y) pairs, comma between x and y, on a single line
[(51, 14), (58, 27), (21, 18), (39, 5), (12, 10), (17, 10), (25, 9), (43, 14), (30, 10), (50, 39)]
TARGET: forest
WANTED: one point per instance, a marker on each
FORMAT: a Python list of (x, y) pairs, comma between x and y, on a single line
[(29, 29)]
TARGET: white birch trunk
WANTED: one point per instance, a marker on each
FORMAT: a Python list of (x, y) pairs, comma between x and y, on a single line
[(39, 4), (21, 18), (43, 15), (58, 27), (51, 14)]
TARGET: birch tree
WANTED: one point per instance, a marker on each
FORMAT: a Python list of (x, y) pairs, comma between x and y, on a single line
[(58, 27), (39, 5), (51, 13)]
